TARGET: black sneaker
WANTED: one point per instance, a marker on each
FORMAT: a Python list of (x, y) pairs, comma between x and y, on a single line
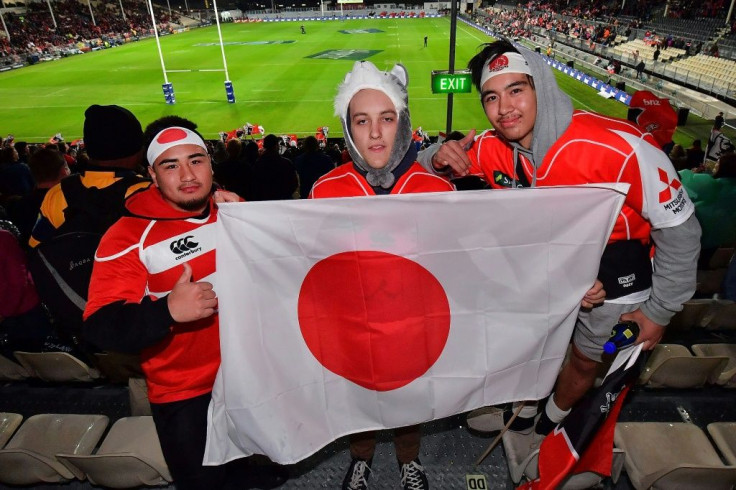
[(413, 476), (357, 476)]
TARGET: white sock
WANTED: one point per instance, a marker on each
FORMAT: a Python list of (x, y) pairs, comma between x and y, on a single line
[(555, 413), (529, 411)]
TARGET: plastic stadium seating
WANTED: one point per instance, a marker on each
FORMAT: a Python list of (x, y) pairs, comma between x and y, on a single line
[(11, 370), (29, 457), (8, 423), (721, 258), (691, 315), (117, 367), (523, 465), (56, 366), (727, 376), (673, 366), (721, 316), (724, 435), (130, 456), (672, 456), (138, 392)]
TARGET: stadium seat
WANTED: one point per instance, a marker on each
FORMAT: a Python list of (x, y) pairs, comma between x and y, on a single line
[(8, 423), (117, 367), (664, 455), (691, 315), (709, 282), (130, 456), (726, 377), (11, 370), (521, 466), (138, 393), (29, 457), (673, 366), (721, 316), (720, 258), (56, 366), (724, 435)]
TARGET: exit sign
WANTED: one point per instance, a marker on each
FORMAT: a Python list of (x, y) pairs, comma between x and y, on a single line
[(444, 82)]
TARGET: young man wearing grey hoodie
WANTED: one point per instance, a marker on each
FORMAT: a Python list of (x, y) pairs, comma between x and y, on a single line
[(539, 140)]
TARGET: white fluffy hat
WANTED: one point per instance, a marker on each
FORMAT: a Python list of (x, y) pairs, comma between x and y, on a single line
[(365, 75)]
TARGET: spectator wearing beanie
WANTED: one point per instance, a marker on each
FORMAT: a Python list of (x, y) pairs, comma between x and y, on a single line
[(113, 138)]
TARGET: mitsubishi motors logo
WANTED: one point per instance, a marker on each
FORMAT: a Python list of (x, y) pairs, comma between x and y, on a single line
[(666, 194)]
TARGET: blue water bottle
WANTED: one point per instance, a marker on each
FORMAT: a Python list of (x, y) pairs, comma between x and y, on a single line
[(622, 335)]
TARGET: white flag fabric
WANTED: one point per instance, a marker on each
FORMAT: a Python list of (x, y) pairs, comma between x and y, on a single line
[(718, 144), (344, 315)]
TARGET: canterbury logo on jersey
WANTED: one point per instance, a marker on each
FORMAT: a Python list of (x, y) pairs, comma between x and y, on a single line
[(184, 246)]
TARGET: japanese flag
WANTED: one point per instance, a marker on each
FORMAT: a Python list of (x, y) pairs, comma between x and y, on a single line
[(344, 315)]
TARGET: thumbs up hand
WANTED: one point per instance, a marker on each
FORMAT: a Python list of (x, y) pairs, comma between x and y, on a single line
[(452, 154), (189, 301)]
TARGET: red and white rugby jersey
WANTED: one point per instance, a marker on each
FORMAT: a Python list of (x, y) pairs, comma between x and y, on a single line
[(598, 149), (142, 256), (345, 181)]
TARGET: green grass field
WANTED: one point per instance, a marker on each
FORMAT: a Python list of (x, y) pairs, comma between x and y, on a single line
[(277, 84)]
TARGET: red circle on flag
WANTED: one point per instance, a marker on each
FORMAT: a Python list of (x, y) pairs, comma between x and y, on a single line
[(374, 318), (170, 135)]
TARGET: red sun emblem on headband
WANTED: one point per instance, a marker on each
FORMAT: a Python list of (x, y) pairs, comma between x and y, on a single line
[(171, 135), (499, 63)]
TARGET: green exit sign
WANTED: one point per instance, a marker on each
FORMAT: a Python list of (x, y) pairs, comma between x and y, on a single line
[(444, 82)]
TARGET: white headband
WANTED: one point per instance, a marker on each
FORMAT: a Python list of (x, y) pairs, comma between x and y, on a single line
[(504, 63), (171, 137)]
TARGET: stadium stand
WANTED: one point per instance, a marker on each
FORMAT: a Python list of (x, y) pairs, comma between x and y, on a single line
[(601, 30), (35, 34)]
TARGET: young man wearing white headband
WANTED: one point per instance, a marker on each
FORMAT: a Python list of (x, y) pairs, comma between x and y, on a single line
[(151, 292), (373, 108), (538, 140)]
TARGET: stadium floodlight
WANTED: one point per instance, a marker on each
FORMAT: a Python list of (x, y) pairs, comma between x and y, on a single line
[(167, 87), (7, 34), (89, 4), (53, 19), (229, 93), (122, 10)]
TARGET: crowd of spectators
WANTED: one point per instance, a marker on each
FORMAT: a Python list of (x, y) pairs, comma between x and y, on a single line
[(33, 32), (269, 168), (519, 23), (596, 23)]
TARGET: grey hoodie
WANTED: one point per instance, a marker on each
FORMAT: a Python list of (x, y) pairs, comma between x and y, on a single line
[(677, 248), (554, 111)]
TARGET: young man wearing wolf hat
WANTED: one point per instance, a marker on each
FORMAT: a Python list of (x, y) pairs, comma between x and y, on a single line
[(373, 108), (538, 140)]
